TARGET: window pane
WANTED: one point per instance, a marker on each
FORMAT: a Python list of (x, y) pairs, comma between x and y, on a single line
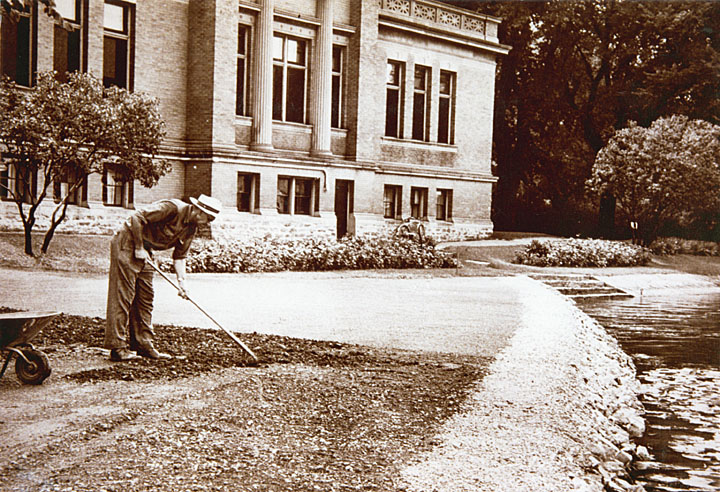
[(295, 99), (114, 18), (445, 82), (16, 40), (337, 59), (392, 113), (115, 62), (67, 8), (444, 120), (283, 196), (303, 194), (335, 110), (418, 131), (296, 51), (393, 74), (244, 185), (278, 48), (420, 75), (242, 34), (277, 92), (240, 88)]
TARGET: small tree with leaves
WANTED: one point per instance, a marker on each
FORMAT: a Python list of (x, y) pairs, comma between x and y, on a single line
[(76, 128), (667, 172)]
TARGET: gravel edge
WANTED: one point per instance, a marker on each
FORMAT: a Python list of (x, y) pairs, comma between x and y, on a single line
[(556, 412)]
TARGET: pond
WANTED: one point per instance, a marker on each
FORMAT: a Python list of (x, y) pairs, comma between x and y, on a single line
[(674, 339)]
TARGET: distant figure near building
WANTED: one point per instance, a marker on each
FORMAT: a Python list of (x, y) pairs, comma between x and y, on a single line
[(162, 225)]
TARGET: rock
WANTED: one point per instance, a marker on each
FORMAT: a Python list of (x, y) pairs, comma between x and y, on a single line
[(643, 454)]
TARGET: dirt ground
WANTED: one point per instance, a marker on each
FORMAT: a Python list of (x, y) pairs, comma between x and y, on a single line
[(310, 416)]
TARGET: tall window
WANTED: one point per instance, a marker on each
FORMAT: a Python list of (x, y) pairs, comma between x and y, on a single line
[(392, 201), (242, 71), (443, 205), (116, 192), (297, 196), (418, 202), (68, 44), (118, 23), (289, 78), (17, 182), (17, 40), (248, 192), (446, 108), (421, 103), (393, 99), (338, 66)]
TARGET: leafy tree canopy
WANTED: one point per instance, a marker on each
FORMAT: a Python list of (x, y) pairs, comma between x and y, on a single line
[(578, 71), (667, 172), (75, 128)]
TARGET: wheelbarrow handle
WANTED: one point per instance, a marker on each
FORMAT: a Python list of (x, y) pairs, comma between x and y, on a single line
[(230, 334)]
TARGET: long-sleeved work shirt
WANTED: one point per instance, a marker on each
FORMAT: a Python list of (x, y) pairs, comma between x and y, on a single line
[(163, 225)]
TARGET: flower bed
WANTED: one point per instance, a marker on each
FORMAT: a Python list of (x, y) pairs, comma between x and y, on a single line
[(582, 253), (310, 254)]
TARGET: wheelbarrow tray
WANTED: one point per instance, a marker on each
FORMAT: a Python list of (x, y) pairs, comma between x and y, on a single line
[(17, 329)]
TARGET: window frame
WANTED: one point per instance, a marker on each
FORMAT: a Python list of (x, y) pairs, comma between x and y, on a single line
[(392, 201), (337, 111), (128, 36), (79, 196), (9, 178), (124, 189), (443, 204), (449, 99), (421, 104), (287, 67), (79, 28), (242, 79), (394, 129), (252, 194), (29, 16), (418, 202), (290, 200)]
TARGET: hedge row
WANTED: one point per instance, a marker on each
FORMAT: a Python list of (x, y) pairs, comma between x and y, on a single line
[(274, 255), (582, 253), (678, 246)]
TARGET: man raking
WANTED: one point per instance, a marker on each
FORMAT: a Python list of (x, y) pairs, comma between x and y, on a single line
[(162, 225)]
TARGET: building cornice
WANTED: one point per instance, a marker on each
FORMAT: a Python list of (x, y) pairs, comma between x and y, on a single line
[(444, 22)]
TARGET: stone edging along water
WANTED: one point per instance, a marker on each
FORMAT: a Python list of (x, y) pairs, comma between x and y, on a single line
[(556, 413)]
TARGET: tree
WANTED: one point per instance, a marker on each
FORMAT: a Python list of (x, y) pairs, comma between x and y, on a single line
[(667, 172), (73, 129), (578, 71)]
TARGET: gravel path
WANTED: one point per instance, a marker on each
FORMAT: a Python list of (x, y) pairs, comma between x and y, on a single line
[(531, 424)]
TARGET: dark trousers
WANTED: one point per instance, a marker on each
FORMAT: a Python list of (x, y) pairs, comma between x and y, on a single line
[(130, 297)]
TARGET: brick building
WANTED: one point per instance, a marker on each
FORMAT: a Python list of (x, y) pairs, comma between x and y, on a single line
[(301, 116)]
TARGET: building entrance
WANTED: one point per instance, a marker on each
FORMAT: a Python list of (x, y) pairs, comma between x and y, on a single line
[(344, 207)]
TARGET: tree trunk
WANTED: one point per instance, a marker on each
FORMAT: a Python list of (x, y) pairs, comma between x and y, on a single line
[(606, 216)]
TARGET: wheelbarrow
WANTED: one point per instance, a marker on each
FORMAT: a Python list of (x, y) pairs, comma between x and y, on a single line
[(17, 330)]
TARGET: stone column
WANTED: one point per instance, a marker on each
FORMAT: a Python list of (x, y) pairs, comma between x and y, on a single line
[(263, 73), (322, 83)]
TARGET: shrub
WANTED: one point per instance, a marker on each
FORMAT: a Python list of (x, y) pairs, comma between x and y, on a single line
[(582, 253), (269, 254), (678, 246)]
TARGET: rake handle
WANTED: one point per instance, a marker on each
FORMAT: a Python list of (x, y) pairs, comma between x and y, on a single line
[(230, 334)]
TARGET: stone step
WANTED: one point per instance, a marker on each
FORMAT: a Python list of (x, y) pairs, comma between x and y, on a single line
[(580, 286)]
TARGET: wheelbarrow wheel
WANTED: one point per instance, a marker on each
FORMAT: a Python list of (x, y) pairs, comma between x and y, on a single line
[(36, 371)]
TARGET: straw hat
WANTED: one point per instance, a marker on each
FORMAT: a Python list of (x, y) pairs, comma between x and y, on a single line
[(207, 204)]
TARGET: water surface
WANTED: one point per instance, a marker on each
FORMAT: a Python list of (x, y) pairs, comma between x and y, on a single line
[(674, 339)]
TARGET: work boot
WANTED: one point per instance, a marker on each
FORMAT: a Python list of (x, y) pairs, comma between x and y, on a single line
[(152, 353), (122, 355)]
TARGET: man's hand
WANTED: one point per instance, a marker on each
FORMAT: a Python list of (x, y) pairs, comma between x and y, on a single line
[(142, 254), (182, 290)]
